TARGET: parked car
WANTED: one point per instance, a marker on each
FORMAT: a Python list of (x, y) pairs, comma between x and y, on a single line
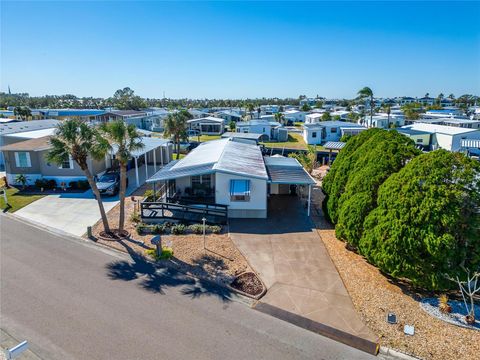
[(109, 183)]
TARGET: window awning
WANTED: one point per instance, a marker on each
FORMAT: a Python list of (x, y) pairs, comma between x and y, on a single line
[(239, 187)]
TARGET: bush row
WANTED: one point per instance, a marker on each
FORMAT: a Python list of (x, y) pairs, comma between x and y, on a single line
[(49, 184), (176, 229), (412, 215)]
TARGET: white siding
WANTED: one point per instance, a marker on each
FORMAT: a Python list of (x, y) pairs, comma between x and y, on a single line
[(255, 208)]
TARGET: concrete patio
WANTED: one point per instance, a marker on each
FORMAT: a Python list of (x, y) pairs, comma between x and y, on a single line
[(303, 284)]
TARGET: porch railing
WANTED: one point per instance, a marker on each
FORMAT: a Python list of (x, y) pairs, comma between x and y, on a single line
[(194, 213)]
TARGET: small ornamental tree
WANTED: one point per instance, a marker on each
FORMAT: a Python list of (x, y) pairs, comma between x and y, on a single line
[(427, 222)]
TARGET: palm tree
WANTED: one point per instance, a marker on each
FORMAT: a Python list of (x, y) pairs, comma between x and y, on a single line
[(175, 127), (279, 117), (123, 140), (75, 139), (251, 109), (440, 98), (366, 92), (22, 179)]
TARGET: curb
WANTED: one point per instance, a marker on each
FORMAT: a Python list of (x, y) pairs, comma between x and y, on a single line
[(319, 328), (396, 354)]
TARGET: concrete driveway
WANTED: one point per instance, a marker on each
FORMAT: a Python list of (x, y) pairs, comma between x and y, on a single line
[(72, 213), (303, 284)]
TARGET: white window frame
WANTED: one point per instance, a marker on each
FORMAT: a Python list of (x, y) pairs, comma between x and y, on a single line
[(17, 159), (70, 163)]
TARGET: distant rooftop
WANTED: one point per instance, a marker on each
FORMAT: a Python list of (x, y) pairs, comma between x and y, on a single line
[(441, 129), (23, 126)]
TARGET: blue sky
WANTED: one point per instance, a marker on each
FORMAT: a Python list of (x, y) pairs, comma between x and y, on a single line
[(239, 50)]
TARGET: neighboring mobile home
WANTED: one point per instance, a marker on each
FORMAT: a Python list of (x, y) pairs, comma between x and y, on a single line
[(206, 126), (319, 133)]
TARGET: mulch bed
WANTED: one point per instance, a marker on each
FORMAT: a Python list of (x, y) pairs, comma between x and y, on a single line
[(114, 235), (248, 283)]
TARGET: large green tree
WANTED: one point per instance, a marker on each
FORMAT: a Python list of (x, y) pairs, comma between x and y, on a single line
[(76, 139), (427, 222), (125, 99), (123, 140), (175, 127), (373, 161)]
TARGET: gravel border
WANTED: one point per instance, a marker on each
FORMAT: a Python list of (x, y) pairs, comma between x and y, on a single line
[(456, 317)]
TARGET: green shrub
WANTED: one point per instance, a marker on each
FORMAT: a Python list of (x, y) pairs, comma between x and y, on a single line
[(50, 184), (73, 185), (83, 184), (196, 228), (159, 229), (214, 229), (167, 253), (148, 195), (427, 224), (178, 229), (39, 183), (141, 228), (135, 218)]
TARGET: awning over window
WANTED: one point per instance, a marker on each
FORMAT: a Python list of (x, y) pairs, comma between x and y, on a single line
[(239, 187)]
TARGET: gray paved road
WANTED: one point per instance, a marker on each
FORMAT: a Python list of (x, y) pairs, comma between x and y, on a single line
[(74, 301)]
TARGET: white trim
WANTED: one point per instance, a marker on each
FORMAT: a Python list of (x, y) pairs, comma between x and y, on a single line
[(17, 159)]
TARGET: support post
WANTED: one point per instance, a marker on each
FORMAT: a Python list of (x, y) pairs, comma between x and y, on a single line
[(136, 172), (155, 160), (309, 198), (161, 155), (146, 166), (330, 157)]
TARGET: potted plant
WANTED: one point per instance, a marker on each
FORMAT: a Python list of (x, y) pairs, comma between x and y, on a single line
[(443, 306), (470, 319)]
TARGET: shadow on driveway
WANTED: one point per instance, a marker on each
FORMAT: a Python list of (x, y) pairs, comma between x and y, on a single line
[(156, 278)]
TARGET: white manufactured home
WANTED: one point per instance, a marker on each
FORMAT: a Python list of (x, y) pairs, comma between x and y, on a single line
[(229, 174)]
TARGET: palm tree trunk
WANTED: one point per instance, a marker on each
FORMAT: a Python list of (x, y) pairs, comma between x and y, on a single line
[(94, 187), (178, 148), (371, 110), (123, 191)]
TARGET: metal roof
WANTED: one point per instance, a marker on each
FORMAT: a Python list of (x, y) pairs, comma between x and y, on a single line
[(35, 134), (149, 143), (334, 145), (283, 170), (168, 172), (251, 136), (23, 126), (221, 155), (243, 159), (208, 152)]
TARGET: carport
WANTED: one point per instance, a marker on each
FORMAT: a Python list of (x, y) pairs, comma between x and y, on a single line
[(151, 148), (284, 171)]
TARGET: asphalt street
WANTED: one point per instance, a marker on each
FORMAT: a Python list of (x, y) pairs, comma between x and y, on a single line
[(72, 299)]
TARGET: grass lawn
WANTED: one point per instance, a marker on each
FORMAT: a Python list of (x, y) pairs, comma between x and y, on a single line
[(16, 200), (204, 138), (174, 156), (295, 141)]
